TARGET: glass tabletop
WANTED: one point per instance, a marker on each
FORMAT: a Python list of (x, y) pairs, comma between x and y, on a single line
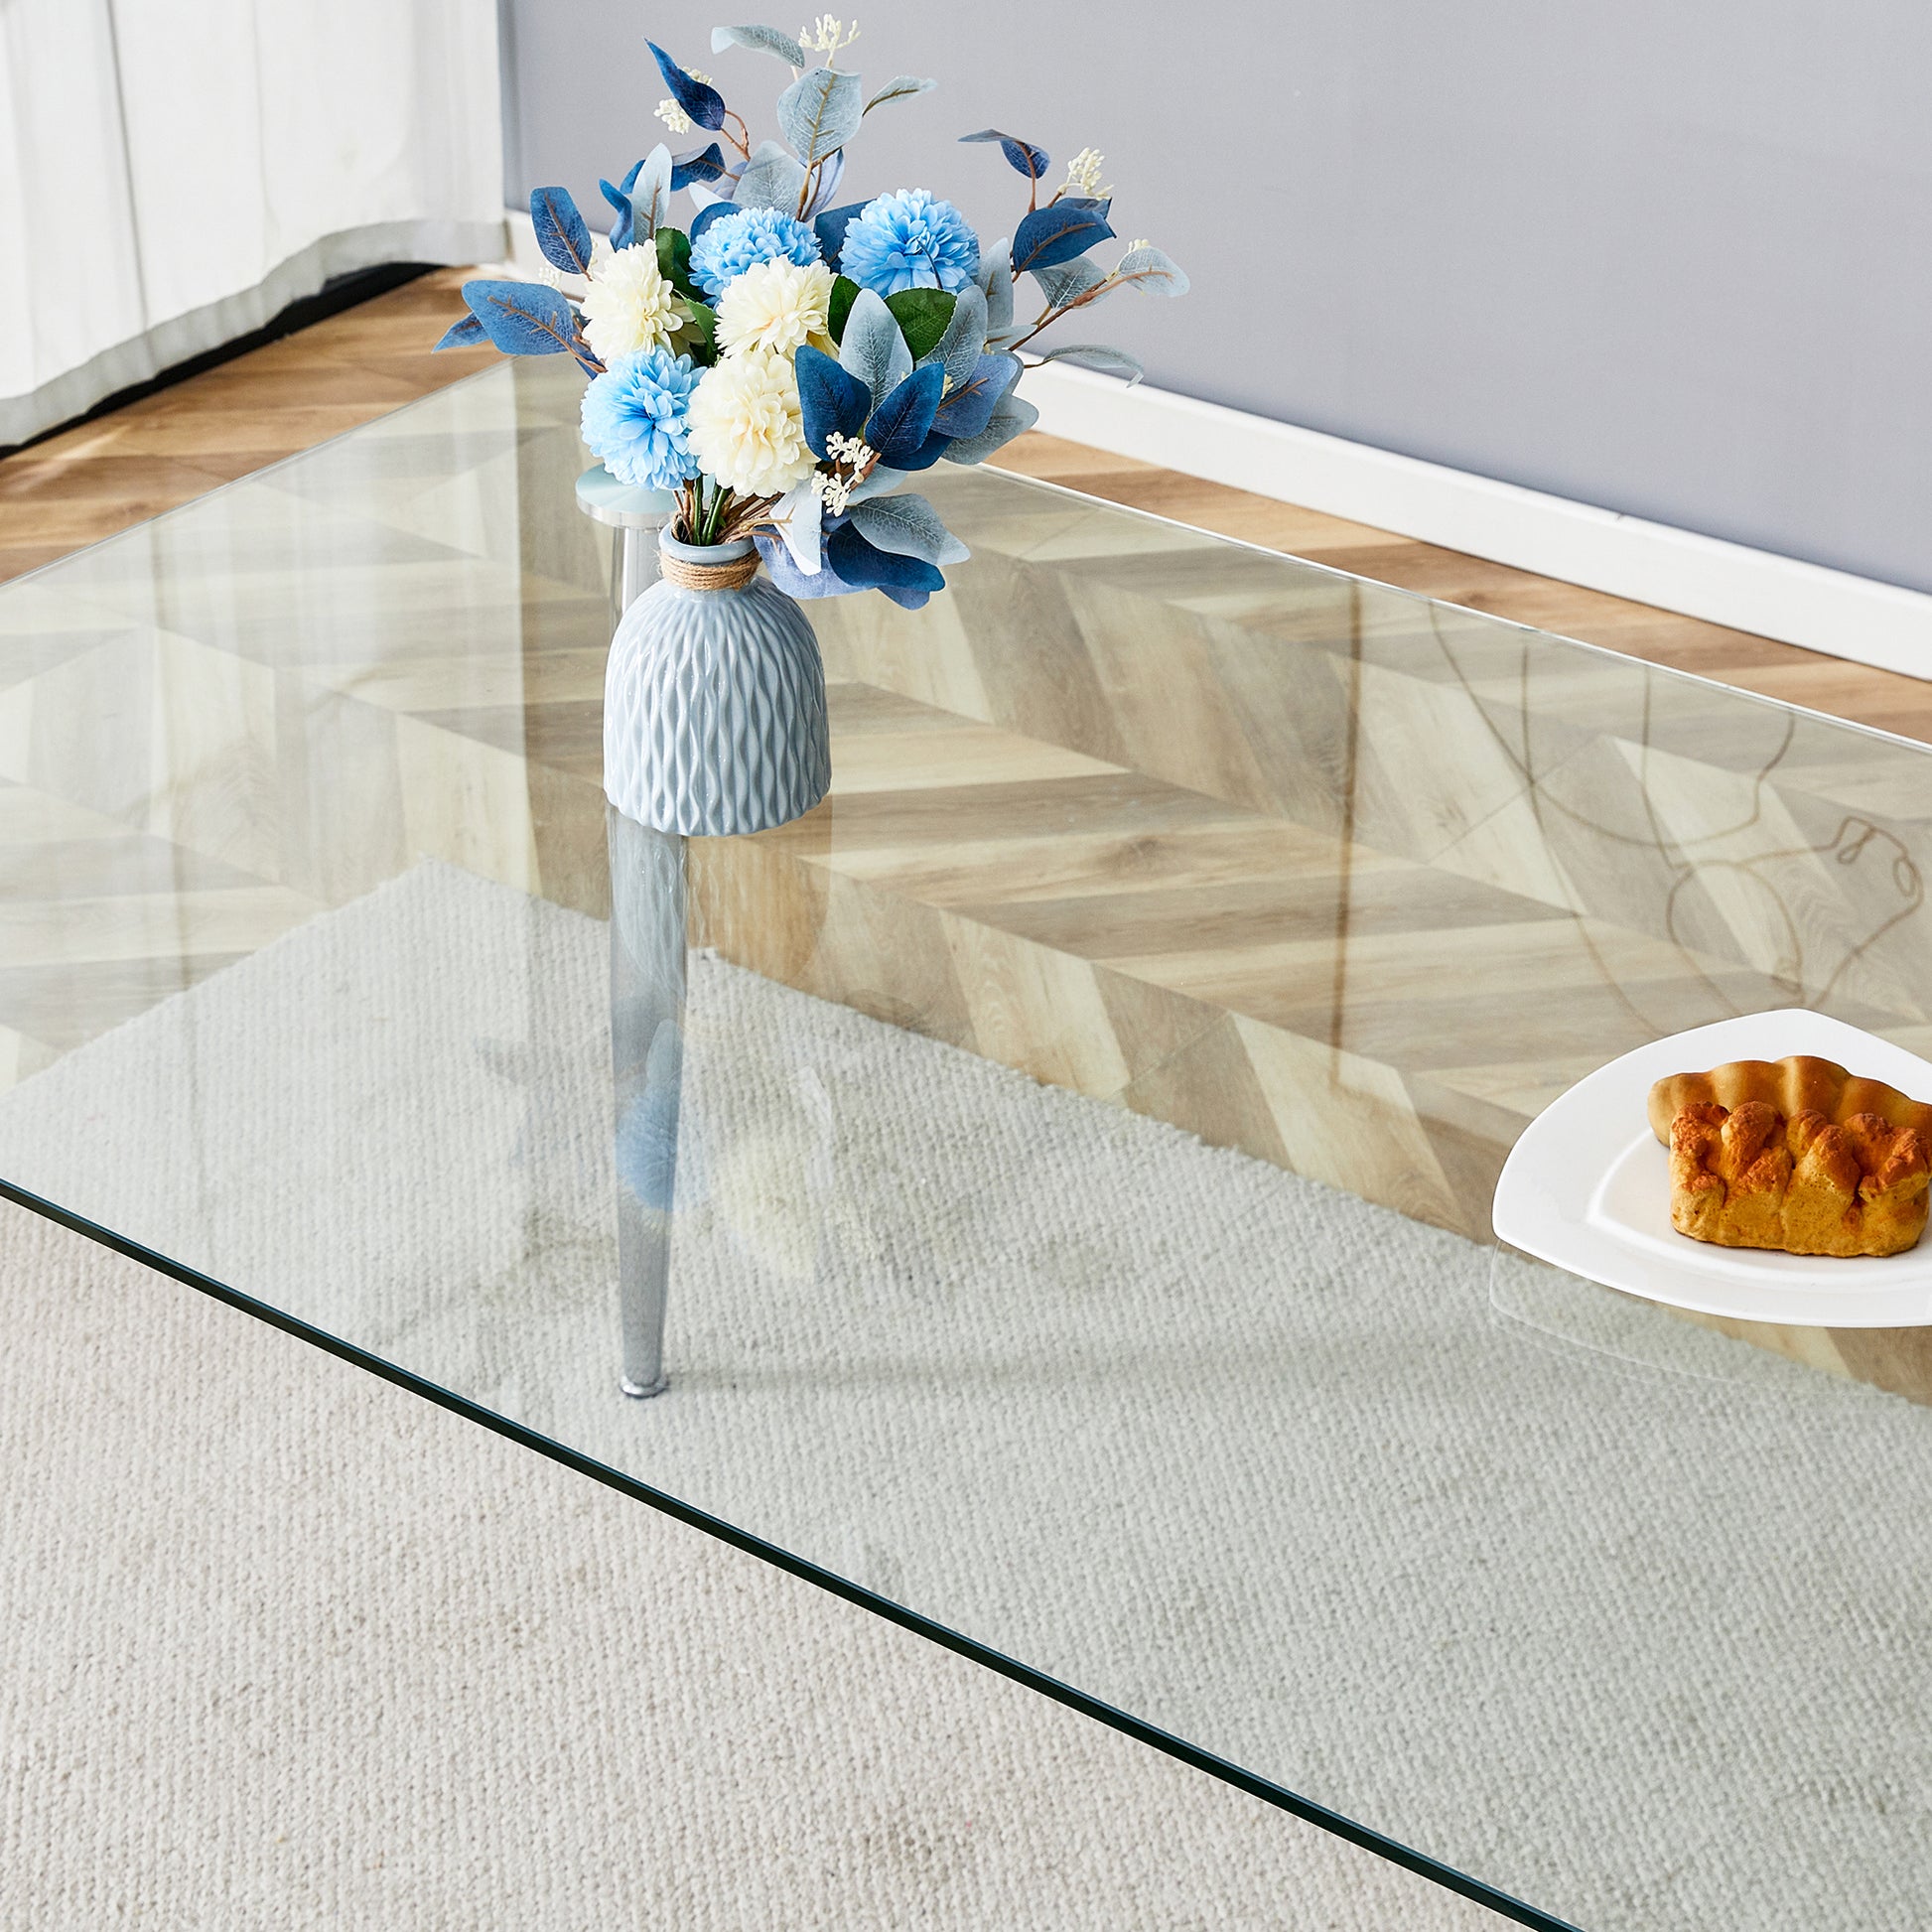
[(1090, 1119)]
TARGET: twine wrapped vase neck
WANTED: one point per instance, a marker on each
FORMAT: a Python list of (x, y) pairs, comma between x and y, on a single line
[(707, 566)]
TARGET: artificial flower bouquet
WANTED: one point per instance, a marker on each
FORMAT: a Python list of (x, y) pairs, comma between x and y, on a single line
[(788, 361)]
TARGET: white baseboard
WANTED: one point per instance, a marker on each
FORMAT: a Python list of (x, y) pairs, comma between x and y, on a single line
[(1730, 584)]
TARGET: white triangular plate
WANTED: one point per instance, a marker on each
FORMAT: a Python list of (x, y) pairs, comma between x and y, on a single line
[(1588, 1188)]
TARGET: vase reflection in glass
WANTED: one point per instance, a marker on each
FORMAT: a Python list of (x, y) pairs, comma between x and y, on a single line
[(714, 724)]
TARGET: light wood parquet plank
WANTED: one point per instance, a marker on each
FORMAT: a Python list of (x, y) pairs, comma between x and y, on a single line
[(1135, 812)]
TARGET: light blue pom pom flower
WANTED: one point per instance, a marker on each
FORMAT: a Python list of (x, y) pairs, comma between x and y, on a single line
[(734, 243), (634, 417), (910, 240)]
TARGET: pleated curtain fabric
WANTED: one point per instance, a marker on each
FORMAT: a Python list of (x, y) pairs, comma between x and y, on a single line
[(173, 175)]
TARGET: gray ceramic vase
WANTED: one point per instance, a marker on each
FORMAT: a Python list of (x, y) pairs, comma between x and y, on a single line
[(714, 701)]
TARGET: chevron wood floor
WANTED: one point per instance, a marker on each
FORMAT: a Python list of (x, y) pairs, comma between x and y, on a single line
[(1352, 880)]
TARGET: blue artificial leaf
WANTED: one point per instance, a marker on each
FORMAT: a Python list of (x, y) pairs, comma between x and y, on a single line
[(705, 217), (1066, 281), (830, 399), (866, 566), (561, 233), (705, 105), (898, 427), (461, 334), (619, 228), (523, 318), (783, 570), (1012, 416), (957, 351), (820, 112), (1150, 270), (771, 179), (649, 188), (967, 409), (1099, 355), (1029, 160), (903, 87), (937, 443), (871, 347), (830, 228), (697, 164), (1102, 205), (767, 40), (623, 228), (1056, 233), (908, 526)]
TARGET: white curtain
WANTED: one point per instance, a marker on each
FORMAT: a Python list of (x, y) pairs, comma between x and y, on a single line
[(174, 172)]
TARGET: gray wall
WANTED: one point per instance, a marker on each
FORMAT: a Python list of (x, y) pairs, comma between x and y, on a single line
[(1669, 257)]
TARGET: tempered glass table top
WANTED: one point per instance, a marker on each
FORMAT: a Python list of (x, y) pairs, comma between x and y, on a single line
[(1080, 1234)]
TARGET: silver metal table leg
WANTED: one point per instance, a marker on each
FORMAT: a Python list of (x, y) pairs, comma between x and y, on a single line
[(647, 958)]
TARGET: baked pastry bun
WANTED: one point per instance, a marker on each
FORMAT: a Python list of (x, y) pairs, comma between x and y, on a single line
[(1796, 1155)]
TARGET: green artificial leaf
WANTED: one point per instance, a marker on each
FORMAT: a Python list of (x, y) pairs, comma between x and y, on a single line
[(909, 526), (767, 40), (902, 89), (1151, 271), (675, 262), (845, 292), (922, 316), (699, 341), (820, 112)]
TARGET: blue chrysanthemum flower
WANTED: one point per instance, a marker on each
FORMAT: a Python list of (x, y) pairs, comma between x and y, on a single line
[(734, 243), (908, 240), (634, 418)]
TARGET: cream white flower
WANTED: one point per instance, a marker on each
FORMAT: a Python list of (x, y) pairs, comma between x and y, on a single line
[(825, 37), (1083, 173), (774, 307), (745, 427), (629, 305), (674, 116)]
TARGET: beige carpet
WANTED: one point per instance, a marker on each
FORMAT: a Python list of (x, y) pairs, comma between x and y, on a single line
[(286, 1646)]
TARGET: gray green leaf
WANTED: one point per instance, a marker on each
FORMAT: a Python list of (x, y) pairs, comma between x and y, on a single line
[(996, 284), (1099, 355), (1150, 270), (651, 193), (873, 349), (961, 346), (767, 40), (771, 180), (820, 112), (909, 526), (1066, 281), (903, 87)]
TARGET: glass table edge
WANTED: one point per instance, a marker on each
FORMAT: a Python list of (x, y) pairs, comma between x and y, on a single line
[(1364, 1837), (1491, 618)]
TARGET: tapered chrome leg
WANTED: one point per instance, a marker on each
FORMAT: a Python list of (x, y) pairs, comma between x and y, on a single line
[(648, 938)]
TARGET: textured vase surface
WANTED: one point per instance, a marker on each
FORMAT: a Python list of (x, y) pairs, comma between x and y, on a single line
[(713, 706)]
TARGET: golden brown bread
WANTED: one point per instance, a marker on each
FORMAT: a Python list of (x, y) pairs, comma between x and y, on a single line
[(1799, 1156), (1795, 1085)]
